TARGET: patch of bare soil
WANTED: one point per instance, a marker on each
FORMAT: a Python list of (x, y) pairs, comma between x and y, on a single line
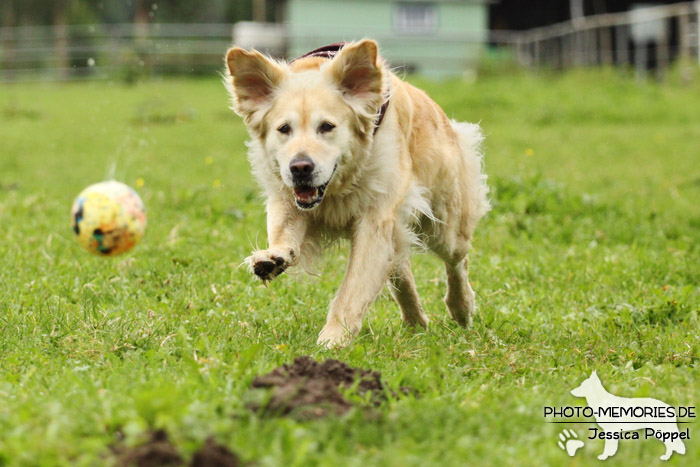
[(213, 454), (158, 451), (304, 389), (311, 389)]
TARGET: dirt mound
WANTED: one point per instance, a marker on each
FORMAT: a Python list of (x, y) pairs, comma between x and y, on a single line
[(311, 389), (159, 452), (156, 452), (213, 454)]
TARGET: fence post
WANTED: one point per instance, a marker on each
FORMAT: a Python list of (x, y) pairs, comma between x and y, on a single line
[(597, 46), (537, 51), (662, 52), (622, 44), (640, 59), (516, 50), (60, 45), (605, 43), (7, 38), (580, 46), (559, 53), (566, 50), (683, 37), (697, 26), (592, 58), (519, 49)]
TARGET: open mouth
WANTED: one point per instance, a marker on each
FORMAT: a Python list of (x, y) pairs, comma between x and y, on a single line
[(308, 197)]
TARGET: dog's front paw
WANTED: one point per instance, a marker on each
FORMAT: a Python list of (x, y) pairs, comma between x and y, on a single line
[(267, 264), (334, 336)]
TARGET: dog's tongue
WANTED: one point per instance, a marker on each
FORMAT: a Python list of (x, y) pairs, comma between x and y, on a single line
[(305, 193)]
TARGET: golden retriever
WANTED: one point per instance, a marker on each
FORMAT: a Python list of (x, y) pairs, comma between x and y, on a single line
[(331, 168)]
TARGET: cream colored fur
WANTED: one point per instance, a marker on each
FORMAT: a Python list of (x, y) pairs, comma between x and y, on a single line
[(417, 180)]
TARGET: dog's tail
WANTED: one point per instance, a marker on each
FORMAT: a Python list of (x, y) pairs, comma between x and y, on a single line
[(470, 138)]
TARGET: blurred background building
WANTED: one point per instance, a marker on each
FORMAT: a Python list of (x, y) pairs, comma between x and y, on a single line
[(129, 39), (434, 38)]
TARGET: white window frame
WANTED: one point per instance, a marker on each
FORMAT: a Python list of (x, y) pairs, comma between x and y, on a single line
[(416, 18)]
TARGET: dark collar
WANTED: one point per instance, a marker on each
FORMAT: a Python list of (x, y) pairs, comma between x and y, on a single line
[(330, 51)]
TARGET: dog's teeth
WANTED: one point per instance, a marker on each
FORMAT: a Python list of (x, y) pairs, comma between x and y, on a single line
[(305, 193)]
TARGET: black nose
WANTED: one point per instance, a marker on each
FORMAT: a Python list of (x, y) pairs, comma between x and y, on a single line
[(301, 168)]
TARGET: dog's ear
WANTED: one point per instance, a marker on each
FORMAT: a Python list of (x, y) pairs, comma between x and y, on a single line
[(358, 72), (594, 375), (252, 80)]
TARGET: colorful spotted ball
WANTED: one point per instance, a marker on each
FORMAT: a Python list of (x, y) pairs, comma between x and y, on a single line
[(108, 218)]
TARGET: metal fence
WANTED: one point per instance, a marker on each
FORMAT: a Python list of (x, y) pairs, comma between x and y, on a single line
[(649, 38), (129, 51), (103, 50), (132, 50), (646, 38)]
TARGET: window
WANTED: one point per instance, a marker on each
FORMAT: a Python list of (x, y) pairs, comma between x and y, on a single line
[(416, 18)]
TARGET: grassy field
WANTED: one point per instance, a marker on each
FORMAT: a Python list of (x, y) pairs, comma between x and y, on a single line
[(590, 260)]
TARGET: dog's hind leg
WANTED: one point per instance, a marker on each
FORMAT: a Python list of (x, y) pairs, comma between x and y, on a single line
[(459, 204), (403, 289), (452, 247), (460, 296)]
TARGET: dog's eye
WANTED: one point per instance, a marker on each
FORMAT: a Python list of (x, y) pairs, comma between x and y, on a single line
[(285, 129), (326, 127)]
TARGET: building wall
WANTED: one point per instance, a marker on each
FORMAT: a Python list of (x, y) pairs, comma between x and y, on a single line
[(453, 48)]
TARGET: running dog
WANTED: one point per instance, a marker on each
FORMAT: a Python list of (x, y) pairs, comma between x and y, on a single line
[(343, 148)]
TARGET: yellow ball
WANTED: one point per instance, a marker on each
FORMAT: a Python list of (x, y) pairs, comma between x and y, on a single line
[(108, 218)]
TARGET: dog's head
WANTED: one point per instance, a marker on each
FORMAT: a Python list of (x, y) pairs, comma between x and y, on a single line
[(309, 117), (588, 386)]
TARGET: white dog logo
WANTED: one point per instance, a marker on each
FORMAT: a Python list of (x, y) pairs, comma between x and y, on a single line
[(617, 416)]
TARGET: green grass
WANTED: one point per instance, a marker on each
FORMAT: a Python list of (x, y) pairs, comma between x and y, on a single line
[(589, 260)]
